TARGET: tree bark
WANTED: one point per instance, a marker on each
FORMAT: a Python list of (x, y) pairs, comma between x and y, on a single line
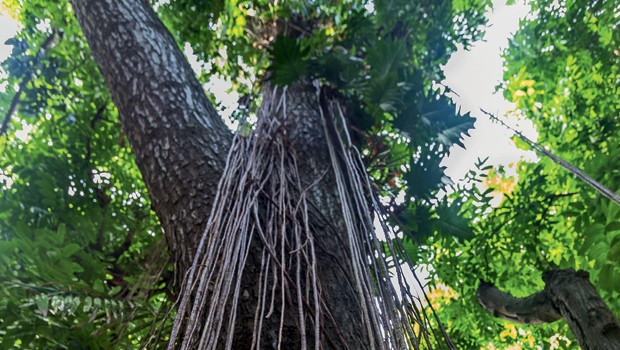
[(179, 141), (568, 294), (181, 144)]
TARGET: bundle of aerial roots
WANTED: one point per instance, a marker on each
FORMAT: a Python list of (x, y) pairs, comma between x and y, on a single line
[(260, 169)]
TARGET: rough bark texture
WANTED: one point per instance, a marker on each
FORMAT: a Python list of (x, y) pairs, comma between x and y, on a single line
[(179, 141), (180, 145), (568, 294)]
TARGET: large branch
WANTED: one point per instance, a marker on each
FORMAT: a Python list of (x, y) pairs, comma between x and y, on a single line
[(534, 309), (179, 140), (568, 294)]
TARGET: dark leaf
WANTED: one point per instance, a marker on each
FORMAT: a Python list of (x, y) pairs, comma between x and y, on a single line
[(289, 61)]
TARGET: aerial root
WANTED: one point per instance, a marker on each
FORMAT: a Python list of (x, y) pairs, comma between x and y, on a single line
[(261, 197)]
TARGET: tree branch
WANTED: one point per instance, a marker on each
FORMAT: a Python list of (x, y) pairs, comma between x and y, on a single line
[(27, 79), (608, 193), (568, 294), (534, 309)]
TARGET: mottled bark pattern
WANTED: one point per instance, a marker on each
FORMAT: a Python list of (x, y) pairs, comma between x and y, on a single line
[(179, 141)]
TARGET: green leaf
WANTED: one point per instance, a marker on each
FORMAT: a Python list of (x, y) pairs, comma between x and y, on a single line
[(386, 58), (385, 93), (451, 223), (425, 175), (70, 249), (289, 61), (417, 222), (441, 116), (88, 303), (613, 226), (599, 251), (520, 143), (614, 251), (609, 277), (42, 302)]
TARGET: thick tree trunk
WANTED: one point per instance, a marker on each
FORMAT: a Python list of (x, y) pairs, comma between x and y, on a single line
[(181, 144), (179, 141), (567, 294), (343, 327)]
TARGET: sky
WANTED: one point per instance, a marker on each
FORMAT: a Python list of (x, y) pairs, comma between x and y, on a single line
[(473, 74), (8, 27)]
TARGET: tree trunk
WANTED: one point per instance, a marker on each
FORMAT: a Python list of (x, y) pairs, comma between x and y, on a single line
[(179, 141), (567, 294), (181, 144), (343, 327)]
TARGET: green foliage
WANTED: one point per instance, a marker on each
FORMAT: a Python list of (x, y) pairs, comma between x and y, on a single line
[(573, 101), (80, 246), (289, 61), (562, 69), (76, 227)]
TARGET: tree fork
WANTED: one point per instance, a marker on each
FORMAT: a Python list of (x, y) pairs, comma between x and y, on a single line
[(567, 294), (181, 143)]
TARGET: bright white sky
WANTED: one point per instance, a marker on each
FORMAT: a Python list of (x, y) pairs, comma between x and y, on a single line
[(472, 74), (8, 27)]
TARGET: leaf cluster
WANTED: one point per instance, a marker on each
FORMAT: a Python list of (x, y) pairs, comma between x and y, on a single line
[(78, 239), (562, 73)]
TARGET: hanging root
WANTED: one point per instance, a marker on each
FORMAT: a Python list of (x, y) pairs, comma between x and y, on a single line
[(260, 198)]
